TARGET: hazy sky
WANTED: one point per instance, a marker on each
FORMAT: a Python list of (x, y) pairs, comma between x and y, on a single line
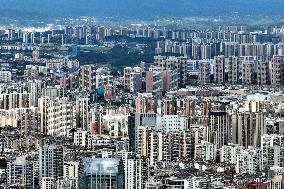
[(144, 8)]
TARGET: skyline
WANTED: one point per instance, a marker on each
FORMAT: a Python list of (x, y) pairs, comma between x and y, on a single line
[(141, 94)]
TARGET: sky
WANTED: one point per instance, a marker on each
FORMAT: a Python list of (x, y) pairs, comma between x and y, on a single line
[(140, 8)]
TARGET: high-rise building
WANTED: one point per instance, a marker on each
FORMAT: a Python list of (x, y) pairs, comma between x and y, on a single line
[(81, 138), (192, 67), (205, 151), (47, 183), (22, 172), (228, 153), (248, 161), (233, 69), (158, 80), (43, 104), (272, 148), (5, 76), (219, 69), (11, 34), (205, 51), (35, 55), (179, 64), (68, 82), (247, 72), (195, 51), (145, 103), (275, 178), (129, 81), (28, 121), (103, 80), (247, 128), (115, 125), (199, 133), (162, 146), (13, 117), (87, 77), (15, 100), (135, 82), (71, 172), (142, 172), (101, 173), (277, 70), (169, 123), (35, 88), (219, 130), (263, 77), (57, 117), (198, 182), (82, 113), (231, 49), (50, 92), (51, 161), (138, 171), (173, 106), (204, 72)]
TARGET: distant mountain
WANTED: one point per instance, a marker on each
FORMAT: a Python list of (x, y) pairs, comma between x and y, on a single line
[(140, 8)]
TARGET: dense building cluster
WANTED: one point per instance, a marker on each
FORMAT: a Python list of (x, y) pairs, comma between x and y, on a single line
[(207, 112)]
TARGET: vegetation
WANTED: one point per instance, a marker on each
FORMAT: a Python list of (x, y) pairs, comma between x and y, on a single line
[(117, 57)]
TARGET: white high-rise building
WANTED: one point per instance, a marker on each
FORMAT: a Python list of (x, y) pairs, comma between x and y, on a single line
[(275, 178), (130, 174), (198, 182), (57, 116), (248, 161), (129, 168), (11, 117), (228, 153), (47, 183), (81, 138), (168, 123), (71, 172), (115, 125), (272, 148), (5, 76), (51, 92), (103, 80), (205, 151)]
